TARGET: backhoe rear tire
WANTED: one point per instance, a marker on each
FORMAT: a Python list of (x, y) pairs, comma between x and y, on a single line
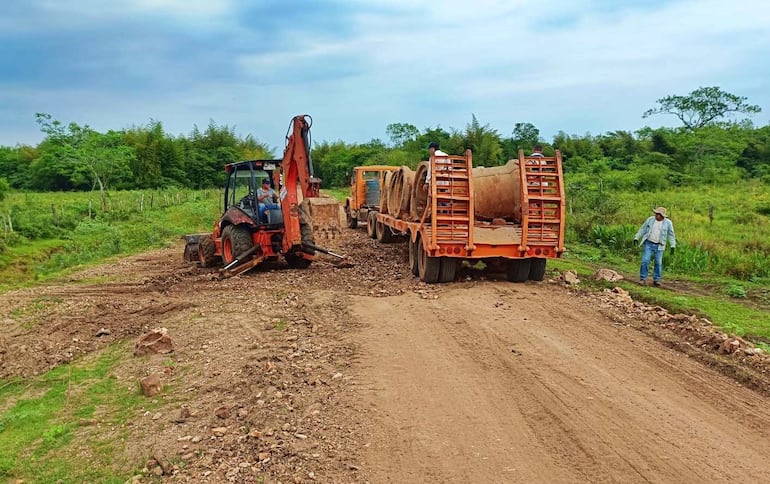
[(371, 225), (236, 240), (537, 269), (429, 267), (517, 270)]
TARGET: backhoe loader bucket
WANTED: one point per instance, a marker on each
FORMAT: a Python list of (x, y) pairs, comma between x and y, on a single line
[(327, 217)]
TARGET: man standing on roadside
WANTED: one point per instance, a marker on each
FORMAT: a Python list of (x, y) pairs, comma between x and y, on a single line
[(653, 234)]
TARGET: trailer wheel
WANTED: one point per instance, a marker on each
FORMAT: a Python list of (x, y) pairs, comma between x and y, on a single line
[(371, 225), (235, 241), (517, 270), (537, 269), (448, 269), (384, 234), (206, 250), (350, 219), (414, 264), (429, 267)]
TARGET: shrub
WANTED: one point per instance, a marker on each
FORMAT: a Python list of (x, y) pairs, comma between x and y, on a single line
[(737, 291)]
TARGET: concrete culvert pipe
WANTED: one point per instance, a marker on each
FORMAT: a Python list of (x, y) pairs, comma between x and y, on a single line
[(400, 192), (419, 197), (497, 192), (384, 191)]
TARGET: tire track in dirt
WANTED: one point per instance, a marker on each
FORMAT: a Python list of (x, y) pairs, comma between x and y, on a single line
[(525, 383)]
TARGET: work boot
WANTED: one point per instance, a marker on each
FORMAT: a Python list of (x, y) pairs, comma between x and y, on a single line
[(642, 282), (656, 283)]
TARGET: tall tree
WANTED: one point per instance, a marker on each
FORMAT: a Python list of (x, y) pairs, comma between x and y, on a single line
[(526, 134), (484, 142), (702, 107), (95, 158), (401, 133)]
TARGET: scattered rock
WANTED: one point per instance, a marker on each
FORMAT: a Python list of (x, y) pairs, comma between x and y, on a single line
[(102, 332), (151, 385), (730, 346), (156, 341), (219, 431), (570, 278), (222, 412), (607, 275)]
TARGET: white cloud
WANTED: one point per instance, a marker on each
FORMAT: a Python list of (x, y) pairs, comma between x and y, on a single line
[(573, 65)]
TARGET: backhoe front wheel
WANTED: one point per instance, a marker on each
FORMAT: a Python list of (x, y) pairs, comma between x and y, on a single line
[(206, 250), (236, 240)]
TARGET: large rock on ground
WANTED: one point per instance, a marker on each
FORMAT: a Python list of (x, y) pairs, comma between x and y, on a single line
[(607, 275), (151, 385), (156, 341)]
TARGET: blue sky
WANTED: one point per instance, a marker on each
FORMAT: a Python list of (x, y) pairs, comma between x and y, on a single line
[(358, 65)]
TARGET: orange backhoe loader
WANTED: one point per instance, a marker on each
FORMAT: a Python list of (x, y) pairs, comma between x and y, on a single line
[(257, 228)]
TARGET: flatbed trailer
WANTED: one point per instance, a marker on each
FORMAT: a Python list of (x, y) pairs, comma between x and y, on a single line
[(448, 232)]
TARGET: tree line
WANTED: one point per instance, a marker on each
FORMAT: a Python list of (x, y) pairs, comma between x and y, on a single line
[(707, 148)]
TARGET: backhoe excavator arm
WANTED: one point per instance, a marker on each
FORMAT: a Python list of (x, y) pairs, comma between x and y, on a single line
[(297, 168)]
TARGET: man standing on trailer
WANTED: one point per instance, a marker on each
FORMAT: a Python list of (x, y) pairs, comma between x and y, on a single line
[(438, 153)]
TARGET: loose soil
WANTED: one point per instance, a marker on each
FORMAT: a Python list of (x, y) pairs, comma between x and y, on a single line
[(365, 374)]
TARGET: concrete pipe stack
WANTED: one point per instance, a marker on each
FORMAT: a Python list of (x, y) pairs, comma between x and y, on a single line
[(400, 192), (385, 178)]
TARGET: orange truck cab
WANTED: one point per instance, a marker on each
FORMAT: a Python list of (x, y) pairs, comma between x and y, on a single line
[(364, 192)]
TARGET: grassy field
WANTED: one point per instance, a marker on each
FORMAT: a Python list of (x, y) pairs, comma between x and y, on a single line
[(42, 416), (46, 234)]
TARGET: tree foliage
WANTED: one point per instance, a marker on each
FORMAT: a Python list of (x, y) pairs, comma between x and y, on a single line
[(702, 107), (74, 157)]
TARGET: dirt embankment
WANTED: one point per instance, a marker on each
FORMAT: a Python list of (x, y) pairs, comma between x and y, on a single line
[(365, 374)]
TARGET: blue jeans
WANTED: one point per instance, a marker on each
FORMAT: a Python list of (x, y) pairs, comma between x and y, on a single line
[(648, 250), (266, 206)]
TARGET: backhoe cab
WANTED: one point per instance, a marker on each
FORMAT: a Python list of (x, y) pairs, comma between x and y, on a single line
[(251, 231)]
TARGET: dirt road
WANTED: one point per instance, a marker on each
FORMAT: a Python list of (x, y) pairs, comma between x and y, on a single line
[(520, 383), (367, 375)]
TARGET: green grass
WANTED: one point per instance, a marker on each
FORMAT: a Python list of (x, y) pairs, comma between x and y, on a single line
[(711, 300), (339, 193), (734, 243), (42, 247), (40, 436)]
